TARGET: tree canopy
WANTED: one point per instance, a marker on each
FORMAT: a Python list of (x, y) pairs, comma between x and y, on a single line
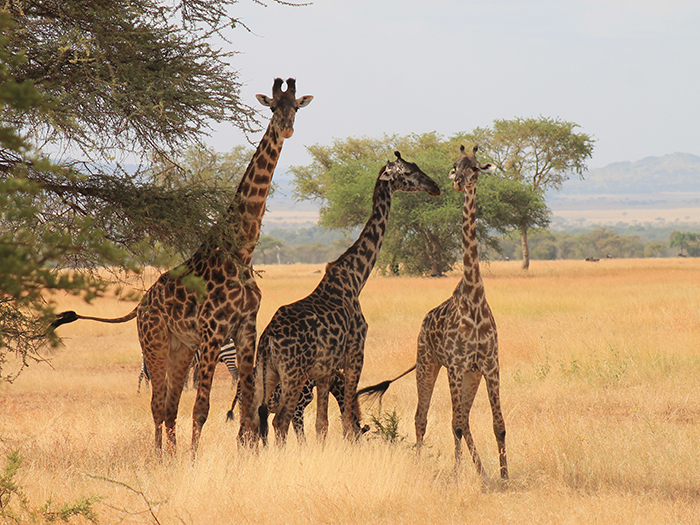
[(126, 83), (98, 100), (424, 233), (540, 152)]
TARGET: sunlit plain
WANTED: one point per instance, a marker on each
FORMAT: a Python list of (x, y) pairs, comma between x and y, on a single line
[(600, 391)]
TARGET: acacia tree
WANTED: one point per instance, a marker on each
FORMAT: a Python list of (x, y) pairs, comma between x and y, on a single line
[(421, 229), (540, 152), (29, 247), (424, 233), (124, 85), (685, 241), (111, 91)]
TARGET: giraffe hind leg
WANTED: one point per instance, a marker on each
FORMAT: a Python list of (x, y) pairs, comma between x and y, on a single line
[(178, 368), (322, 386), (470, 386), (499, 426), (463, 390), (289, 396), (307, 396), (427, 370), (156, 362)]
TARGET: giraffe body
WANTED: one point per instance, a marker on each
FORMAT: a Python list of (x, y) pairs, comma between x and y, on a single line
[(460, 334), (326, 330)]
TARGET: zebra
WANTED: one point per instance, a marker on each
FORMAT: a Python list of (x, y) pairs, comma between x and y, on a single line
[(227, 355)]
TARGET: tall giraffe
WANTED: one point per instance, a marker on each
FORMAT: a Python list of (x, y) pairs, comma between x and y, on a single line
[(461, 335), (173, 322), (326, 330)]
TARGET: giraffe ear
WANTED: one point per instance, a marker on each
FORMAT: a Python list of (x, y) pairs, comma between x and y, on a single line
[(304, 101), (264, 100), (487, 168)]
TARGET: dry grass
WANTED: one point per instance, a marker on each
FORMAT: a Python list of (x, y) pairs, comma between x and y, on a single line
[(599, 385)]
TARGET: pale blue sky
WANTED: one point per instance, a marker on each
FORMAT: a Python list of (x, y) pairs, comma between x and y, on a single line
[(627, 71)]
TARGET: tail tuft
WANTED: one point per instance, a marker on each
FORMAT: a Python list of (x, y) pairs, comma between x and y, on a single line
[(263, 413), (375, 391), (64, 318)]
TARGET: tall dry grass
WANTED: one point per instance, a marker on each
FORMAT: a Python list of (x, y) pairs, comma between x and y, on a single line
[(600, 392)]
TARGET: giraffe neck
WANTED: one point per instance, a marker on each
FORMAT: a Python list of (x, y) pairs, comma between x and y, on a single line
[(471, 286), (246, 212), (252, 192), (357, 262)]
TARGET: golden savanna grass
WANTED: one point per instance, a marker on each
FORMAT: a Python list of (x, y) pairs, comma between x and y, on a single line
[(600, 390)]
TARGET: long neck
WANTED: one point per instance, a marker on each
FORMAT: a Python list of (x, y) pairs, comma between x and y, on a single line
[(249, 206), (472, 287), (239, 235), (357, 262)]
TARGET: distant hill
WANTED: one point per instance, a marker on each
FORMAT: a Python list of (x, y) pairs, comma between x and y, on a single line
[(658, 191), (677, 172), (655, 191)]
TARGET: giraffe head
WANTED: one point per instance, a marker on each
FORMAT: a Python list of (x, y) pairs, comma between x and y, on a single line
[(466, 169), (284, 106), (407, 176)]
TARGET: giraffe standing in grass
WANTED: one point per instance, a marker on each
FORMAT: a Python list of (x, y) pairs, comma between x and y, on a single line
[(326, 330), (461, 335), (174, 322)]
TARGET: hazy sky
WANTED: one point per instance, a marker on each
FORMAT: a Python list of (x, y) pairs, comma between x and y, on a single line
[(626, 71)]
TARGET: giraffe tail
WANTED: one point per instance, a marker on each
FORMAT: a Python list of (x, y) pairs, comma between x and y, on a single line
[(377, 391), (261, 365), (229, 414), (70, 316)]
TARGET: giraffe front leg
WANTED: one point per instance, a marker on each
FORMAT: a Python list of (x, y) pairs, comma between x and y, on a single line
[(462, 392), (245, 347), (179, 360), (158, 392), (201, 404), (209, 349), (351, 413)]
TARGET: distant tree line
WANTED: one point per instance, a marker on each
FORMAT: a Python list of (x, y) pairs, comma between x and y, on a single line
[(315, 245)]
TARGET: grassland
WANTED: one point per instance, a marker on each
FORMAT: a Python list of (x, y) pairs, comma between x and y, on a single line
[(600, 390)]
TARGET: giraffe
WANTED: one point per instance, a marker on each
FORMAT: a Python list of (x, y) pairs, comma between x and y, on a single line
[(326, 330), (174, 321), (461, 335)]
